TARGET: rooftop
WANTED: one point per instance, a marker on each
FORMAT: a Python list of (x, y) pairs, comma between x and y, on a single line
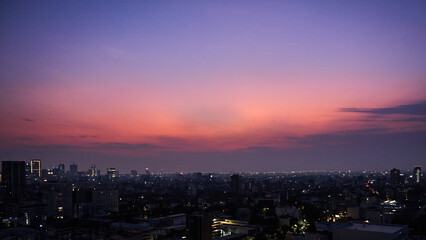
[(374, 228)]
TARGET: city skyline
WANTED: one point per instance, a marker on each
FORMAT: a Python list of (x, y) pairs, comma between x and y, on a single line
[(214, 87), (92, 170), (378, 205)]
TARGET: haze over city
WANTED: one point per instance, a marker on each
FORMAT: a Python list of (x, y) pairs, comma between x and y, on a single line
[(220, 86)]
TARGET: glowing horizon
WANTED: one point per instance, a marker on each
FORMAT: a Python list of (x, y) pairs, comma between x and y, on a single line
[(160, 78)]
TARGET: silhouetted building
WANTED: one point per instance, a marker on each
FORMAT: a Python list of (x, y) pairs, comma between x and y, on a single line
[(13, 179), (147, 172), (236, 184), (199, 227), (36, 168), (83, 205), (133, 173), (417, 174), (73, 169), (58, 197), (395, 177), (61, 168), (44, 174), (105, 200), (197, 176)]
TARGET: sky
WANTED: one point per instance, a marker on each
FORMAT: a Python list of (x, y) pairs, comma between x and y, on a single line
[(214, 86)]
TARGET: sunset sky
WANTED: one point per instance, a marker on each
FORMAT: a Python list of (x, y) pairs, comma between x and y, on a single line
[(214, 85)]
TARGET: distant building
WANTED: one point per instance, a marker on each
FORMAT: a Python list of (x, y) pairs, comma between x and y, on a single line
[(61, 168), (82, 202), (111, 173), (147, 172), (289, 211), (417, 174), (32, 213), (13, 179), (44, 174), (395, 177), (92, 170), (27, 169), (197, 176), (58, 197), (52, 174), (389, 209), (133, 173), (36, 167), (355, 231), (105, 200), (236, 184), (73, 169)]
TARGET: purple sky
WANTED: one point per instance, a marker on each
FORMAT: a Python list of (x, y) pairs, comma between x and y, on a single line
[(214, 86)]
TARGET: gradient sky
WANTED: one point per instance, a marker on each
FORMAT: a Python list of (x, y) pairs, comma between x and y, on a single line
[(214, 85)]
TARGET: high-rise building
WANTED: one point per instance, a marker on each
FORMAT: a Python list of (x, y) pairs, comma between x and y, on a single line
[(27, 169), (36, 167), (112, 173), (13, 179), (395, 177), (92, 170), (73, 169), (133, 173), (147, 172), (236, 184), (61, 168), (417, 174)]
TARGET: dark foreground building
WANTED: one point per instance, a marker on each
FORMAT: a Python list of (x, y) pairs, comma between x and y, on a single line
[(13, 180)]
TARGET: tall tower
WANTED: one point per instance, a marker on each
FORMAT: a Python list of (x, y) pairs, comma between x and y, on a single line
[(27, 169), (417, 174), (13, 179), (36, 167), (93, 170)]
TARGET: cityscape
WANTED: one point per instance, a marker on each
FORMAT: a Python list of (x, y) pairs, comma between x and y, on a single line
[(69, 203), (212, 120)]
